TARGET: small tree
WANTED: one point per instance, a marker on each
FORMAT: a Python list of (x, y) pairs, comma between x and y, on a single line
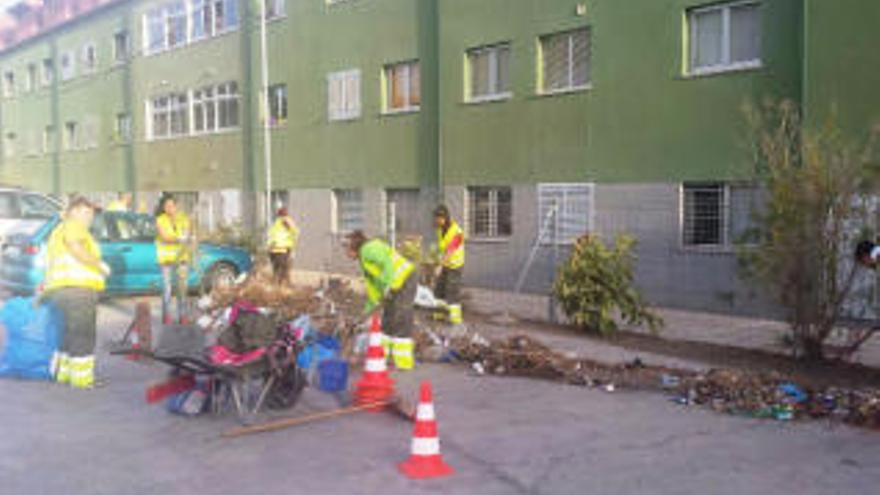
[(595, 287), (799, 248)]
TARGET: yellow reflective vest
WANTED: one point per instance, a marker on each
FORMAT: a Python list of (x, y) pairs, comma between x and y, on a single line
[(172, 252), (117, 205), (64, 269), (384, 270), (283, 235), (453, 260)]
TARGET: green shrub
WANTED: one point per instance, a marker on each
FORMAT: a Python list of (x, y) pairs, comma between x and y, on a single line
[(595, 287)]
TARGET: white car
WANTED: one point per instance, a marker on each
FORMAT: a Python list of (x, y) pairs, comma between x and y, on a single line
[(23, 211)]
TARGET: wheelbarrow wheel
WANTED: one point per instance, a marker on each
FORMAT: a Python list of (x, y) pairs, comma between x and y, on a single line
[(286, 390)]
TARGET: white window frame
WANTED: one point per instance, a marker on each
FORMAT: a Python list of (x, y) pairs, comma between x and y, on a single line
[(228, 93), (280, 10), (122, 131), (561, 193), (726, 65), (31, 77), (493, 223), (492, 51), (725, 244), (338, 198), (69, 72), (90, 65), (571, 87), (346, 109), (386, 87), (155, 15), (203, 100), (72, 136), (275, 105), (217, 31), (198, 9), (8, 83), (126, 49)]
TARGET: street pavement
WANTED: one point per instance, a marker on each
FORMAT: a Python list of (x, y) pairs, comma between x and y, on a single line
[(502, 435)]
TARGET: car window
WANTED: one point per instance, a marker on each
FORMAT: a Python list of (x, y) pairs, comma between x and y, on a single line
[(37, 207), (8, 207), (101, 229), (129, 227)]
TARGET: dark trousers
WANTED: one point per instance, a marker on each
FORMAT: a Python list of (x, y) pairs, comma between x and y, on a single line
[(398, 313), (280, 265), (80, 310), (448, 286)]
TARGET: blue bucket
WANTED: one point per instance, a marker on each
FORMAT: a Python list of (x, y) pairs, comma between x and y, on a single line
[(333, 375)]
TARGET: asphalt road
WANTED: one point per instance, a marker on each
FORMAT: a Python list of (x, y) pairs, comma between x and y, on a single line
[(502, 435)]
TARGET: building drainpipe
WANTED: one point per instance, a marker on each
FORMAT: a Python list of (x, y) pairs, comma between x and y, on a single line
[(249, 173), (130, 178), (430, 155), (55, 113), (264, 104)]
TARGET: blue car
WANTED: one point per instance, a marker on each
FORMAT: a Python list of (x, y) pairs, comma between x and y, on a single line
[(128, 245)]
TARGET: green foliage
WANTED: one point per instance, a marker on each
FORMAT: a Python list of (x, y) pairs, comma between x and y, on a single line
[(235, 235), (595, 287)]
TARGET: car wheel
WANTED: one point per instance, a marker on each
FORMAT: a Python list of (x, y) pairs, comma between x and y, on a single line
[(219, 275)]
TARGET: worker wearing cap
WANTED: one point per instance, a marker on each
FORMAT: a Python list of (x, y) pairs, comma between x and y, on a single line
[(389, 284), (172, 253), (74, 278), (283, 236), (450, 244), (121, 203)]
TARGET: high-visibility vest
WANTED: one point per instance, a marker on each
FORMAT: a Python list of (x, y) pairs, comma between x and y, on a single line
[(455, 260), (117, 205), (376, 287), (171, 252), (64, 269), (283, 235)]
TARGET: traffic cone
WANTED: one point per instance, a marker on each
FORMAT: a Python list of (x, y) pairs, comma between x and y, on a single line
[(425, 460), (375, 385)]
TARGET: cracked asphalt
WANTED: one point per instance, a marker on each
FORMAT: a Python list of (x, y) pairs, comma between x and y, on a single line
[(502, 435)]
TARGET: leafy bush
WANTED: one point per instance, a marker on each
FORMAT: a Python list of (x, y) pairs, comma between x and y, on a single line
[(235, 235), (595, 287)]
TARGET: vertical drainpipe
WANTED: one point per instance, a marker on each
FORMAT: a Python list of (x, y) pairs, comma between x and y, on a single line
[(429, 144), (54, 110), (130, 176), (247, 116)]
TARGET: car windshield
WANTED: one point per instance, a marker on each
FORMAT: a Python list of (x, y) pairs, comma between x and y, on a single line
[(115, 226)]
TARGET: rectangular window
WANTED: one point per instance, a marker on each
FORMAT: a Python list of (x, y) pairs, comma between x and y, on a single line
[(204, 110), (344, 95), (175, 18), (216, 108), (488, 70), (48, 76), (724, 37), (9, 84), (566, 210), (704, 215), (274, 9), (48, 139), (227, 105), (402, 87), (121, 47), (9, 145), (200, 19), (68, 66), (490, 212), (565, 61), (154, 30), (91, 131), (169, 116), (31, 78), (277, 104), (89, 57), (122, 131), (349, 210), (225, 15), (71, 136)]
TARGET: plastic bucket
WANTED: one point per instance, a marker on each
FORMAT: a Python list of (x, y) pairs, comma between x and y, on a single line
[(333, 375)]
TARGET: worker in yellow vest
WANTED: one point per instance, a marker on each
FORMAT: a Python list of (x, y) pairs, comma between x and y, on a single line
[(173, 234), (390, 286), (121, 203), (74, 278), (450, 244), (283, 236)]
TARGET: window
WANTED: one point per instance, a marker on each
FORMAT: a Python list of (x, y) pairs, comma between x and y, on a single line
[(490, 211), (488, 70), (215, 108), (716, 214), (200, 19), (122, 131), (31, 78), (274, 9), (71, 136), (724, 37), (349, 210), (89, 58), (154, 27), (48, 72), (68, 66), (175, 30), (565, 60), (9, 145), (121, 47), (402, 87), (48, 139), (169, 116), (225, 15), (91, 130), (227, 105), (9, 84), (204, 110), (277, 104), (574, 211), (344, 95), (37, 207)]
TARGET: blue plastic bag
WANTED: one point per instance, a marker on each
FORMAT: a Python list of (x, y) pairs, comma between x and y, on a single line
[(32, 336)]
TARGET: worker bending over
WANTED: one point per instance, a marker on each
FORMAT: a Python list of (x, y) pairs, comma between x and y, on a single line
[(121, 203), (173, 254), (283, 236), (450, 244), (390, 286), (74, 278)]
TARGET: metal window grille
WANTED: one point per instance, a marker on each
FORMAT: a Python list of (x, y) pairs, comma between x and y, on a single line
[(724, 36), (349, 210), (490, 211), (402, 83), (705, 215), (489, 71), (566, 60), (574, 214), (344, 95)]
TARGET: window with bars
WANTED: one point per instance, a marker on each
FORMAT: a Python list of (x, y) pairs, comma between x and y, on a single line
[(574, 211), (89, 57), (488, 70), (68, 66), (717, 214), (724, 37), (121, 47), (277, 104), (565, 61), (344, 95), (8, 84), (402, 87), (490, 212), (348, 210)]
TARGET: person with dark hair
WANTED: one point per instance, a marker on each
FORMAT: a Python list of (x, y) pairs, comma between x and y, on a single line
[(75, 276), (450, 245), (283, 236), (172, 235), (867, 254), (390, 286)]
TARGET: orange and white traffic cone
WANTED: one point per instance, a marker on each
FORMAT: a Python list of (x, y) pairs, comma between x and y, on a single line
[(425, 460), (375, 384)]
